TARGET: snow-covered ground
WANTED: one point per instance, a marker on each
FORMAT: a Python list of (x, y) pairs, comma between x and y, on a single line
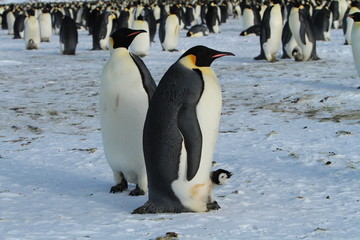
[(289, 133)]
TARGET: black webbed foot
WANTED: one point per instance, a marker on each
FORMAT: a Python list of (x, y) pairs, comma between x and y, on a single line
[(137, 191), (119, 187)]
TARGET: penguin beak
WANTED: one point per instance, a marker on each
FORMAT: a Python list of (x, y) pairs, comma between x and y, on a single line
[(136, 33), (222, 54)]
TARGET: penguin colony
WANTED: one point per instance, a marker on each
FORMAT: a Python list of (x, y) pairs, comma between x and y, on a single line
[(166, 146)]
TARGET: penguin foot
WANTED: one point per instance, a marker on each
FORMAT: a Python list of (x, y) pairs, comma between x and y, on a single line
[(151, 207), (119, 187), (260, 57), (213, 206), (137, 191)]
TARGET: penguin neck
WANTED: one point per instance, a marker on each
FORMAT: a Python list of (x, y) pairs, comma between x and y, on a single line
[(119, 51)]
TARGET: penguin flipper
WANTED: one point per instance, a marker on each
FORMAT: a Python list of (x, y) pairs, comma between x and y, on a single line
[(190, 130), (147, 80), (303, 32)]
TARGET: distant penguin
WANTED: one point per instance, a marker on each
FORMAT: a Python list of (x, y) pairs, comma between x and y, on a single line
[(322, 20), (348, 22), (303, 31), (123, 20), (10, 19), (180, 134), (288, 42), (271, 31), (250, 16), (169, 31), (68, 36), (255, 29), (141, 44), (212, 18), (57, 18), (102, 29), (45, 24), (149, 17), (126, 89), (198, 31), (19, 26), (31, 31), (355, 40)]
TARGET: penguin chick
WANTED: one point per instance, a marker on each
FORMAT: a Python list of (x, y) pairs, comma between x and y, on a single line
[(220, 177)]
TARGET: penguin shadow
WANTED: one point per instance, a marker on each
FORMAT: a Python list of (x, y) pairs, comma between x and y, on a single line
[(65, 184)]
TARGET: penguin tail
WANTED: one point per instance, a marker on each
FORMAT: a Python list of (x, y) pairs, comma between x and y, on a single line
[(151, 207)]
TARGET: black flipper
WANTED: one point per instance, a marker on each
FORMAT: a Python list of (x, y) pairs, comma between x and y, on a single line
[(190, 130), (148, 81)]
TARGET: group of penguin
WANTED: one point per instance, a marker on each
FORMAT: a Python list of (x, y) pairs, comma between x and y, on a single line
[(297, 25), (162, 138), (35, 22)]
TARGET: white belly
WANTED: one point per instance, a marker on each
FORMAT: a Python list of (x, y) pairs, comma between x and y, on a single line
[(45, 27), (355, 45), (32, 32), (172, 29), (123, 107), (194, 194), (141, 44), (272, 45), (247, 18)]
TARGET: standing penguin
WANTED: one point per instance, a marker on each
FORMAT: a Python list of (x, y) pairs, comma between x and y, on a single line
[(45, 25), (126, 89), (212, 18), (19, 26), (10, 19), (31, 31), (355, 40), (169, 30), (180, 135), (140, 45), (68, 36), (348, 22), (271, 30), (303, 31)]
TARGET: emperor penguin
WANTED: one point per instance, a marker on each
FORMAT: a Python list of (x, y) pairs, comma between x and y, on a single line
[(271, 31), (19, 26), (218, 178), (141, 44), (125, 92), (10, 19), (180, 134), (169, 31), (45, 24), (355, 40), (68, 36), (348, 22), (106, 27), (322, 20), (303, 31), (31, 31), (212, 18)]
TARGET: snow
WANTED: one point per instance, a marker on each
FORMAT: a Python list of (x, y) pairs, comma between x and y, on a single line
[(289, 133)]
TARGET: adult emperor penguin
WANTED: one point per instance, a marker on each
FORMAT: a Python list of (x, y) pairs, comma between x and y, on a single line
[(169, 30), (19, 26), (303, 31), (355, 40), (271, 30), (31, 31), (141, 44), (45, 24), (212, 18), (348, 22), (180, 135), (68, 36), (126, 89)]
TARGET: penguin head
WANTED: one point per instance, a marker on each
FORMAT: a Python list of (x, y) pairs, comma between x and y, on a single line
[(204, 56), (355, 16), (123, 37), (220, 176)]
